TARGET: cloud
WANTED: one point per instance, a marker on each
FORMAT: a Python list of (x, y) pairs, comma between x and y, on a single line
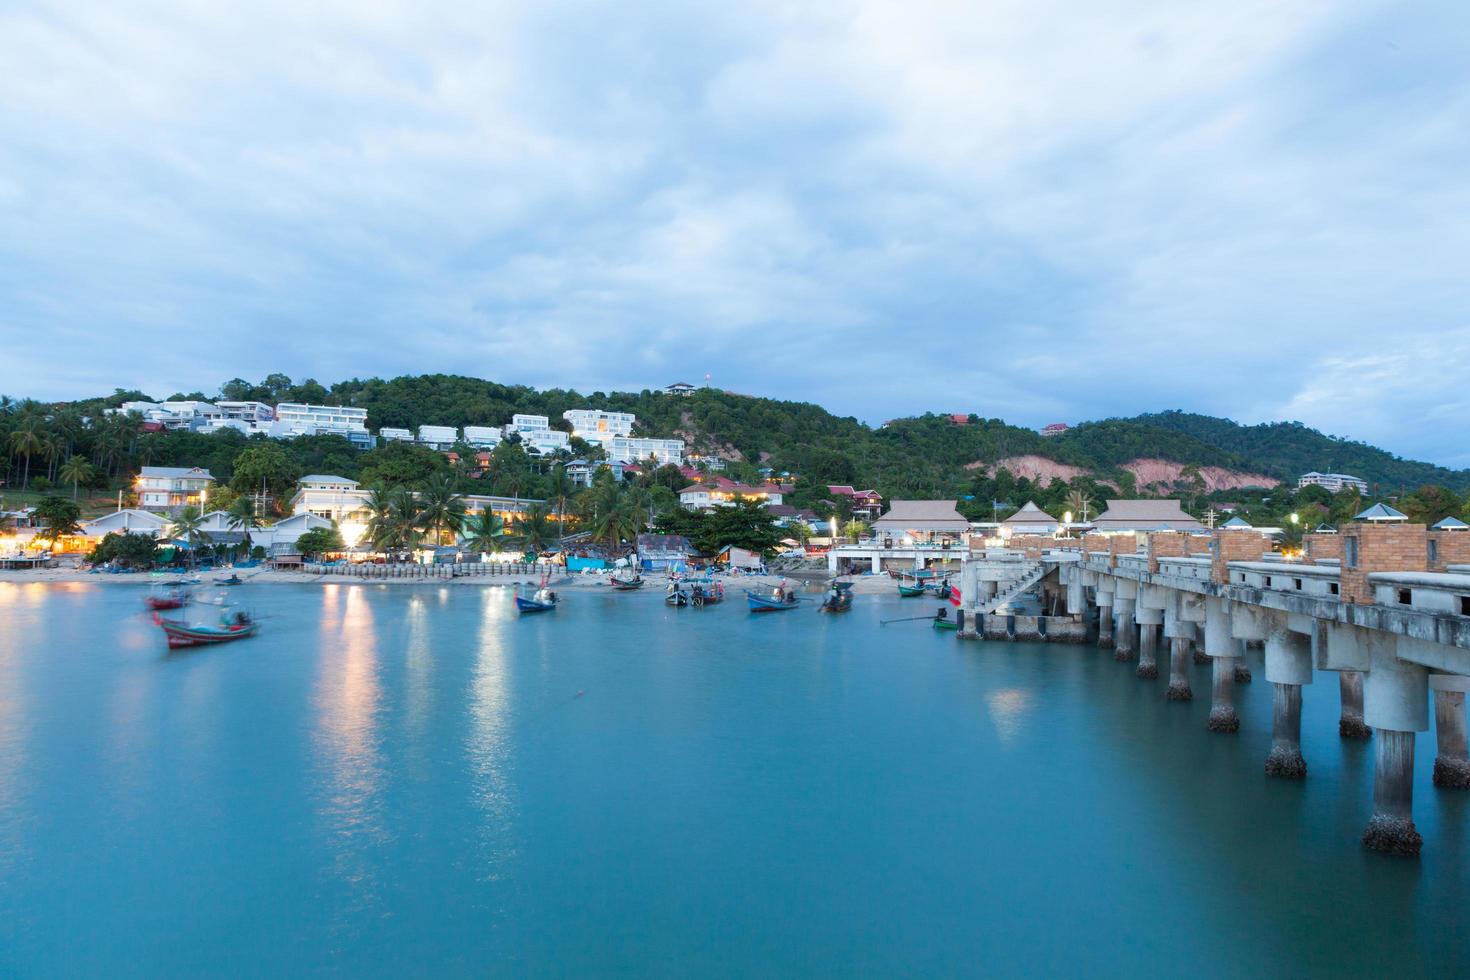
[(1034, 210)]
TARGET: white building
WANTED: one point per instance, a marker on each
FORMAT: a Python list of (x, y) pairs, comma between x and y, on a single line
[(176, 414), (1333, 482), (252, 413), (528, 423), (170, 488), (296, 419), (344, 501), (543, 441), (395, 435), (438, 436), (626, 449), (595, 425), (482, 436)]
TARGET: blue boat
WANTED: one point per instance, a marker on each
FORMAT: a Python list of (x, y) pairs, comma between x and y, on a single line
[(773, 601), (544, 600)]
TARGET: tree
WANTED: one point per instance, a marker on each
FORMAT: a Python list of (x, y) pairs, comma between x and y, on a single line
[(188, 524), (76, 470), (1431, 504), (484, 532), (127, 550), (534, 529), (241, 517), (854, 529), (401, 463), (61, 517), (265, 465), (319, 541), (28, 439), (441, 509), (1080, 504), (743, 524)]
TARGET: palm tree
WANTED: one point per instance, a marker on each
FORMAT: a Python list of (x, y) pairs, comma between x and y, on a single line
[(76, 470), (484, 531), (534, 528), (241, 517), (26, 440), (799, 530), (560, 488), (382, 514), (441, 507), (189, 525), (1079, 503), (405, 522)]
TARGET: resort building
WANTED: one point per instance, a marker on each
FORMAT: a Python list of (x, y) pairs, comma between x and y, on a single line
[(595, 425), (345, 502), (1030, 519), (438, 436), (913, 534), (528, 423), (545, 441), (721, 492), (482, 436), (681, 388), (580, 472), (1144, 515), (626, 449), (126, 521), (192, 415), (1332, 482), (254, 414), (1055, 429), (171, 488), (297, 419), (395, 435), (866, 504)]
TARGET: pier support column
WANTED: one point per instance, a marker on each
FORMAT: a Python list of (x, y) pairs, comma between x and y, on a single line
[(1222, 696), (1148, 650), (1104, 620), (1288, 667), (1242, 666), (1452, 762), (1395, 706), (1123, 634), (1391, 828), (1180, 633), (1350, 724)]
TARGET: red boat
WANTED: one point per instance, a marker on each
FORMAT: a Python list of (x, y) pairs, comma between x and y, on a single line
[(167, 600), (180, 634)]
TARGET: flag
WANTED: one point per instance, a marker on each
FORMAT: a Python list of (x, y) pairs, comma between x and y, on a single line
[(954, 595)]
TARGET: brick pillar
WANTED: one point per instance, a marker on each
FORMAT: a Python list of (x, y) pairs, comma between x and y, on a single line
[(1229, 546), (1318, 547), (1164, 544), (1447, 548), (1368, 548)]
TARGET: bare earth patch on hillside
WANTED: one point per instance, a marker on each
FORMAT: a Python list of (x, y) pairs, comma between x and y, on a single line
[(1037, 469), (1161, 472)]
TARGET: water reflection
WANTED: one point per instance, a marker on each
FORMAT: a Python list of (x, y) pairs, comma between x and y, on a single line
[(14, 638), (1008, 707), (346, 740), (489, 742)]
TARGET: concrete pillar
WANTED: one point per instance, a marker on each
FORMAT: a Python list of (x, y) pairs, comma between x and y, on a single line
[(1288, 667), (1242, 668), (1148, 651), (1391, 829), (1452, 762), (1179, 651), (1350, 724), (1222, 696), (1104, 620), (877, 564), (1076, 601), (1123, 644)]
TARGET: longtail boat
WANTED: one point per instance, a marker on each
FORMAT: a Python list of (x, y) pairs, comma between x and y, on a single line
[(181, 634), (542, 600), (945, 623), (839, 599), (773, 601), (172, 599), (910, 591), (625, 583)]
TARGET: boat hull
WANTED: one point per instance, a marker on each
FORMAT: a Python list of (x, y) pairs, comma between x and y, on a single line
[(759, 603), (527, 606), (182, 635), (910, 591), (946, 624)]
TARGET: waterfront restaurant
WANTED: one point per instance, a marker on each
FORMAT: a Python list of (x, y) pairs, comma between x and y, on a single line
[(1129, 516), (927, 523), (1030, 519)]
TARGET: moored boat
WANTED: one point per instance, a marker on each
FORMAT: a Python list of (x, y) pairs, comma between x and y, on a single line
[(942, 620), (168, 599), (239, 626), (773, 601), (910, 590), (626, 583), (542, 600), (839, 598)]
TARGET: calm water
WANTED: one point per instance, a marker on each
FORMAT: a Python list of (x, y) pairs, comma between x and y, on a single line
[(412, 780)]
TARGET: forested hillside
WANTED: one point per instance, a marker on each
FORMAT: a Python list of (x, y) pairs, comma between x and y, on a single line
[(925, 456)]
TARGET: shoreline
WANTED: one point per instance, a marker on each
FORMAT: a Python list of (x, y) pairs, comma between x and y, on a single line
[(654, 582)]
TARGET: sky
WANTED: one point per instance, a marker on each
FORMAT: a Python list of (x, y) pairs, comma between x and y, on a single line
[(1034, 210)]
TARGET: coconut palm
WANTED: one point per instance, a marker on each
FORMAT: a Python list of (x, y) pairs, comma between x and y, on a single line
[(188, 525), (484, 532), (1079, 503), (76, 470), (535, 530), (559, 490), (241, 517), (441, 508), (618, 523), (27, 439)]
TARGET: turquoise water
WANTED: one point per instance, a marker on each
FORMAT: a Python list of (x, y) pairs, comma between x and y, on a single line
[(399, 780)]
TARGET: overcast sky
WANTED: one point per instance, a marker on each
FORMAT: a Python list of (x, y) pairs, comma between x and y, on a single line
[(1039, 210)]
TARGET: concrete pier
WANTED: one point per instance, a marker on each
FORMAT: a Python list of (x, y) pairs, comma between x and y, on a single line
[(1452, 762), (1222, 696), (1148, 651), (1179, 657), (1104, 620), (1391, 829), (1288, 658), (1242, 667), (1285, 760), (1350, 724), (1123, 644)]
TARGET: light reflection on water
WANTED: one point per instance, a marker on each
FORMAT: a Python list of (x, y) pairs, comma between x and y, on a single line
[(488, 747), (1008, 708), (347, 701)]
